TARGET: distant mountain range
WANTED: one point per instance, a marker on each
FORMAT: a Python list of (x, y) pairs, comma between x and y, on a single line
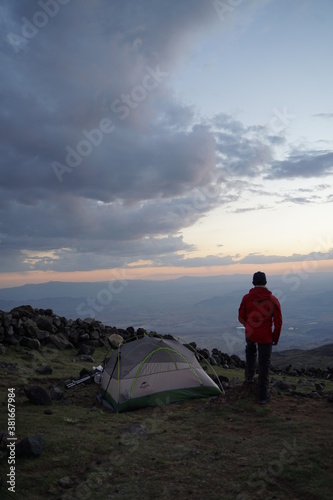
[(200, 309)]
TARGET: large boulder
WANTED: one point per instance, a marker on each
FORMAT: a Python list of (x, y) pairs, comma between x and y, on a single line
[(60, 341), (45, 323), (24, 311), (42, 335), (37, 395), (30, 343), (115, 340), (44, 370), (30, 447)]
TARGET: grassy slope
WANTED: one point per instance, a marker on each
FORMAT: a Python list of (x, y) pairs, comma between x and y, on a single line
[(228, 448)]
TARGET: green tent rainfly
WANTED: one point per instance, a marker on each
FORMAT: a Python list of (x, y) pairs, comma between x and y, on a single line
[(153, 372)]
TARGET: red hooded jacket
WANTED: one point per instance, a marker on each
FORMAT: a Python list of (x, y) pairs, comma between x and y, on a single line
[(258, 312)]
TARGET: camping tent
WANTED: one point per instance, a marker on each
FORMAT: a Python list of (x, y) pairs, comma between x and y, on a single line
[(153, 371)]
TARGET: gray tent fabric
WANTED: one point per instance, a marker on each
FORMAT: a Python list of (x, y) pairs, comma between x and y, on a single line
[(153, 371)]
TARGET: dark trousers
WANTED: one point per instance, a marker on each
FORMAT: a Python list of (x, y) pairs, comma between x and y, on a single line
[(264, 351)]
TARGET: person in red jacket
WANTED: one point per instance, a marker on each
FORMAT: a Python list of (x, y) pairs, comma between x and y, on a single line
[(260, 313)]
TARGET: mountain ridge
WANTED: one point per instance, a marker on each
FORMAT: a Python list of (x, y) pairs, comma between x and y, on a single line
[(203, 309)]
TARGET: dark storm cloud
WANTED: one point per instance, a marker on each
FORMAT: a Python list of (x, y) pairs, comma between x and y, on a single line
[(103, 254), (97, 154)]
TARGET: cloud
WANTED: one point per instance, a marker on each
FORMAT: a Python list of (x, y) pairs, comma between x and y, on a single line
[(250, 209), (186, 262), (302, 164), (97, 155), (328, 116), (181, 260), (242, 151), (101, 163), (275, 259), (301, 200)]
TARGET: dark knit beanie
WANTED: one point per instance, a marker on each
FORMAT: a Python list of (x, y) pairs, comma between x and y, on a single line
[(259, 278)]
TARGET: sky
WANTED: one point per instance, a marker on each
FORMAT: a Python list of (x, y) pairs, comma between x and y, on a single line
[(151, 139)]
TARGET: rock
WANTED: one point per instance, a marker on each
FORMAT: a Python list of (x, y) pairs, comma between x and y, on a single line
[(89, 320), (94, 335), (44, 370), (84, 372), (137, 430), (86, 349), (115, 340), (31, 343), (7, 318), (83, 337), (72, 335), (42, 335), (204, 353), (45, 323), (141, 332), (299, 394), (56, 393), (13, 339), (84, 357), (284, 386), (60, 341), (23, 311), (314, 395), (2, 349), (192, 346), (30, 447), (66, 483), (304, 383), (30, 327), (37, 395), (236, 359), (9, 330)]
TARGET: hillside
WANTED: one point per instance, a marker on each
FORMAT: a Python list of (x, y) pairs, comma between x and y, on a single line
[(319, 357), (203, 448)]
